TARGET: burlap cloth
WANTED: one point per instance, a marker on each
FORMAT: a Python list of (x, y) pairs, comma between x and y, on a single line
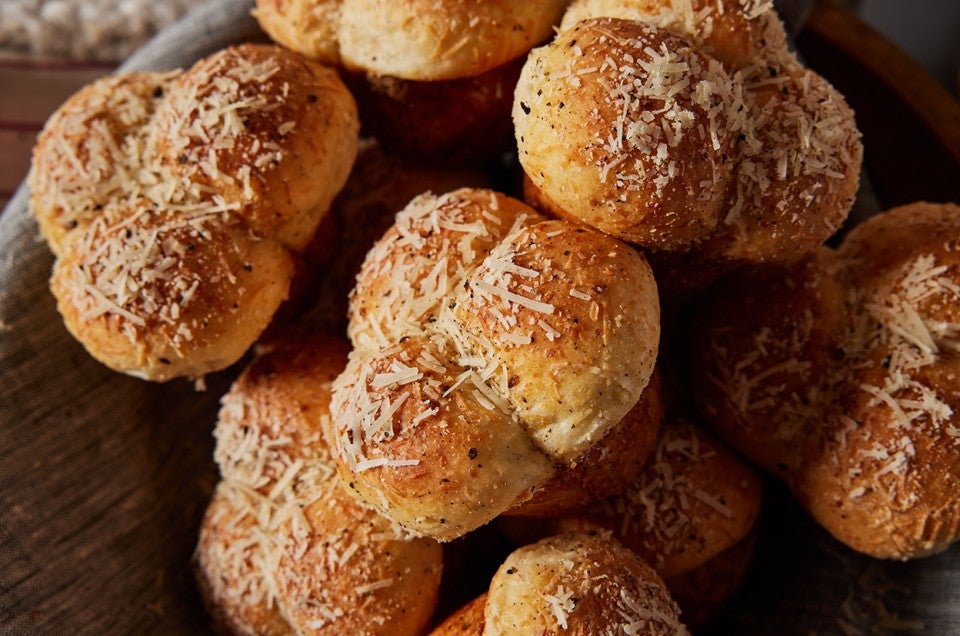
[(103, 478)]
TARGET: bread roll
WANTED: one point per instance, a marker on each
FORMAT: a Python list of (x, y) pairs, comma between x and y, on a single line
[(578, 583), (693, 501), (231, 580), (690, 513), (177, 202), (724, 151), (797, 172), (441, 39), (75, 162), (839, 375), (630, 129), (490, 345), (283, 548), (425, 40), (597, 309), (434, 78), (772, 416), (310, 27)]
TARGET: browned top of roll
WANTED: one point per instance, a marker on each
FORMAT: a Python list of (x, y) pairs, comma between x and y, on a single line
[(693, 500), (842, 381), (752, 381), (174, 202), (736, 32), (283, 541), (578, 584), (485, 335), (379, 185), (414, 39), (696, 132), (629, 128), (307, 26)]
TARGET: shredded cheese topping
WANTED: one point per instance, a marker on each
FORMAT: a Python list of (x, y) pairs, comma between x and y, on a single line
[(144, 173), (896, 332), (265, 549), (587, 592), (451, 308), (661, 507), (433, 250), (776, 149)]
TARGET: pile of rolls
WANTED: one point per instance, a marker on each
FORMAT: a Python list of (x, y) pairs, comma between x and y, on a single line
[(491, 267)]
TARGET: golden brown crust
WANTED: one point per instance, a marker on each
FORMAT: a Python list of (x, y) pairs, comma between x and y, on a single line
[(379, 185), (744, 157), (204, 316), (607, 468), (693, 501), (466, 621), (877, 245), (445, 471), (441, 39), (691, 514), (188, 194), (420, 260), (729, 367), (859, 369), (594, 332), (486, 336), (799, 153), (306, 26), (248, 610), (736, 32), (590, 144), (283, 540), (797, 171), (76, 153), (357, 574), (578, 584), (426, 40), (287, 154), (434, 78)]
